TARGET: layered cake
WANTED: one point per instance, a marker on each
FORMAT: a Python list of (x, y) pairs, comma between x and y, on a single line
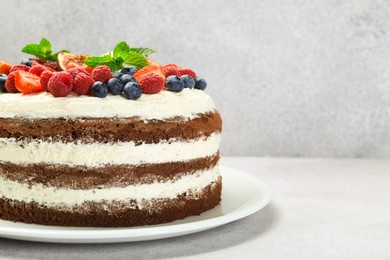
[(102, 157)]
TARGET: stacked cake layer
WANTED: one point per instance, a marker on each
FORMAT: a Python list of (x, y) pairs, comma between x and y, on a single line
[(79, 161)]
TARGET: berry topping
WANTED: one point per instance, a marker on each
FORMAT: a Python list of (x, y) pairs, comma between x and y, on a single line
[(37, 69), (129, 70), (45, 77), (102, 73), (3, 79), (174, 84), (5, 68), (190, 72), (118, 75), (115, 86), (10, 83), (87, 68), (52, 65), (152, 83), (75, 71), (132, 90), (27, 62), (170, 69), (20, 67), (60, 84), (200, 83), (82, 84), (145, 70), (26, 82), (127, 78), (99, 89), (188, 81)]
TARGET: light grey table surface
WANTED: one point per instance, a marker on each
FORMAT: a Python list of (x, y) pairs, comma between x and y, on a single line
[(320, 209)]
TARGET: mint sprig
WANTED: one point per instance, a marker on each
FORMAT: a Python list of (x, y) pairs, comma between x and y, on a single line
[(122, 54), (42, 50)]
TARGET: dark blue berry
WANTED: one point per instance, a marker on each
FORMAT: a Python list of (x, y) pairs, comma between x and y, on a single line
[(115, 86), (99, 89), (126, 78), (118, 75), (188, 81), (174, 83), (200, 83), (132, 90), (27, 62), (129, 70), (3, 79)]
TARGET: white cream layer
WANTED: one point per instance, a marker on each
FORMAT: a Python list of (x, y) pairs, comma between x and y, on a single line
[(167, 104), (98, 154), (65, 197)]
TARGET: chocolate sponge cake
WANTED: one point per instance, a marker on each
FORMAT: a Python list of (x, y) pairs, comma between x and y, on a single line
[(110, 162)]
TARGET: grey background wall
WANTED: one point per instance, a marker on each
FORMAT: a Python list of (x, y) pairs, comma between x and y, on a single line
[(291, 78)]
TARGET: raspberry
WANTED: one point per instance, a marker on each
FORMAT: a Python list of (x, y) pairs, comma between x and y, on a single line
[(52, 65), (10, 83), (170, 69), (75, 71), (102, 73), (82, 84), (152, 83), (45, 77), (189, 72), (37, 69), (60, 84), (20, 67)]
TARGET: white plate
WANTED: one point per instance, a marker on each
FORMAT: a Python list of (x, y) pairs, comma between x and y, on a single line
[(242, 195)]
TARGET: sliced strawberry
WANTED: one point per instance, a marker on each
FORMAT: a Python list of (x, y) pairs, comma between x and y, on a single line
[(27, 82), (5, 68), (145, 70), (87, 68)]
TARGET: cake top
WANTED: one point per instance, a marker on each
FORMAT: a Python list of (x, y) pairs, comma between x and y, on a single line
[(125, 72)]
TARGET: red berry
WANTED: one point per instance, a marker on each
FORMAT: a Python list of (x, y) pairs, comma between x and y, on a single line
[(38, 61), (152, 83), (60, 84), (189, 72), (37, 69), (45, 77), (75, 71), (52, 65), (26, 82), (10, 83), (20, 67), (170, 69), (5, 67), (102, 73), (82, 84)]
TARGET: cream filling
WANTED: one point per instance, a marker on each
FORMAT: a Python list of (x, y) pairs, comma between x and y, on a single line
[(142, 193), (98, 154), (189, 103)]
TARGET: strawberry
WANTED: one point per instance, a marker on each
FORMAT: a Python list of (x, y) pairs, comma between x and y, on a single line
[(20, 67), (189, 72), (26, 82), (145, 70), (152, 83), (37, 69), (87, 68), (60, 84), (82, 84), (102, 73), (170, 69), (5, 68), (10, 83), (45, 77)]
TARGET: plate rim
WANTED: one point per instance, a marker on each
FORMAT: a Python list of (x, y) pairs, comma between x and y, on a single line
[(100, 235)]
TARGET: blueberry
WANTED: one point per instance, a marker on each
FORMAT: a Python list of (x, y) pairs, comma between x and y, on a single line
[(126, 78), (200, 83), (118, 75), (129, 70), (132, 90), (99, 89), (188, 81), (3, 78), (174, 83), (27, 62), (115, 86)]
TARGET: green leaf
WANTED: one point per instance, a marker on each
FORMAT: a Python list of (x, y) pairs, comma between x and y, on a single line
[(115, 65), (42, 50), (95, 61), (121, 49), (144, 51), (45, 46), (135, 59)]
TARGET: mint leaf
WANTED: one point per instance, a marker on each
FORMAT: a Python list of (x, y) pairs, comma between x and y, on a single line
[(42, 50), (95, 61), (45, 46), (135, 59), (120, 49), (144, 51)]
